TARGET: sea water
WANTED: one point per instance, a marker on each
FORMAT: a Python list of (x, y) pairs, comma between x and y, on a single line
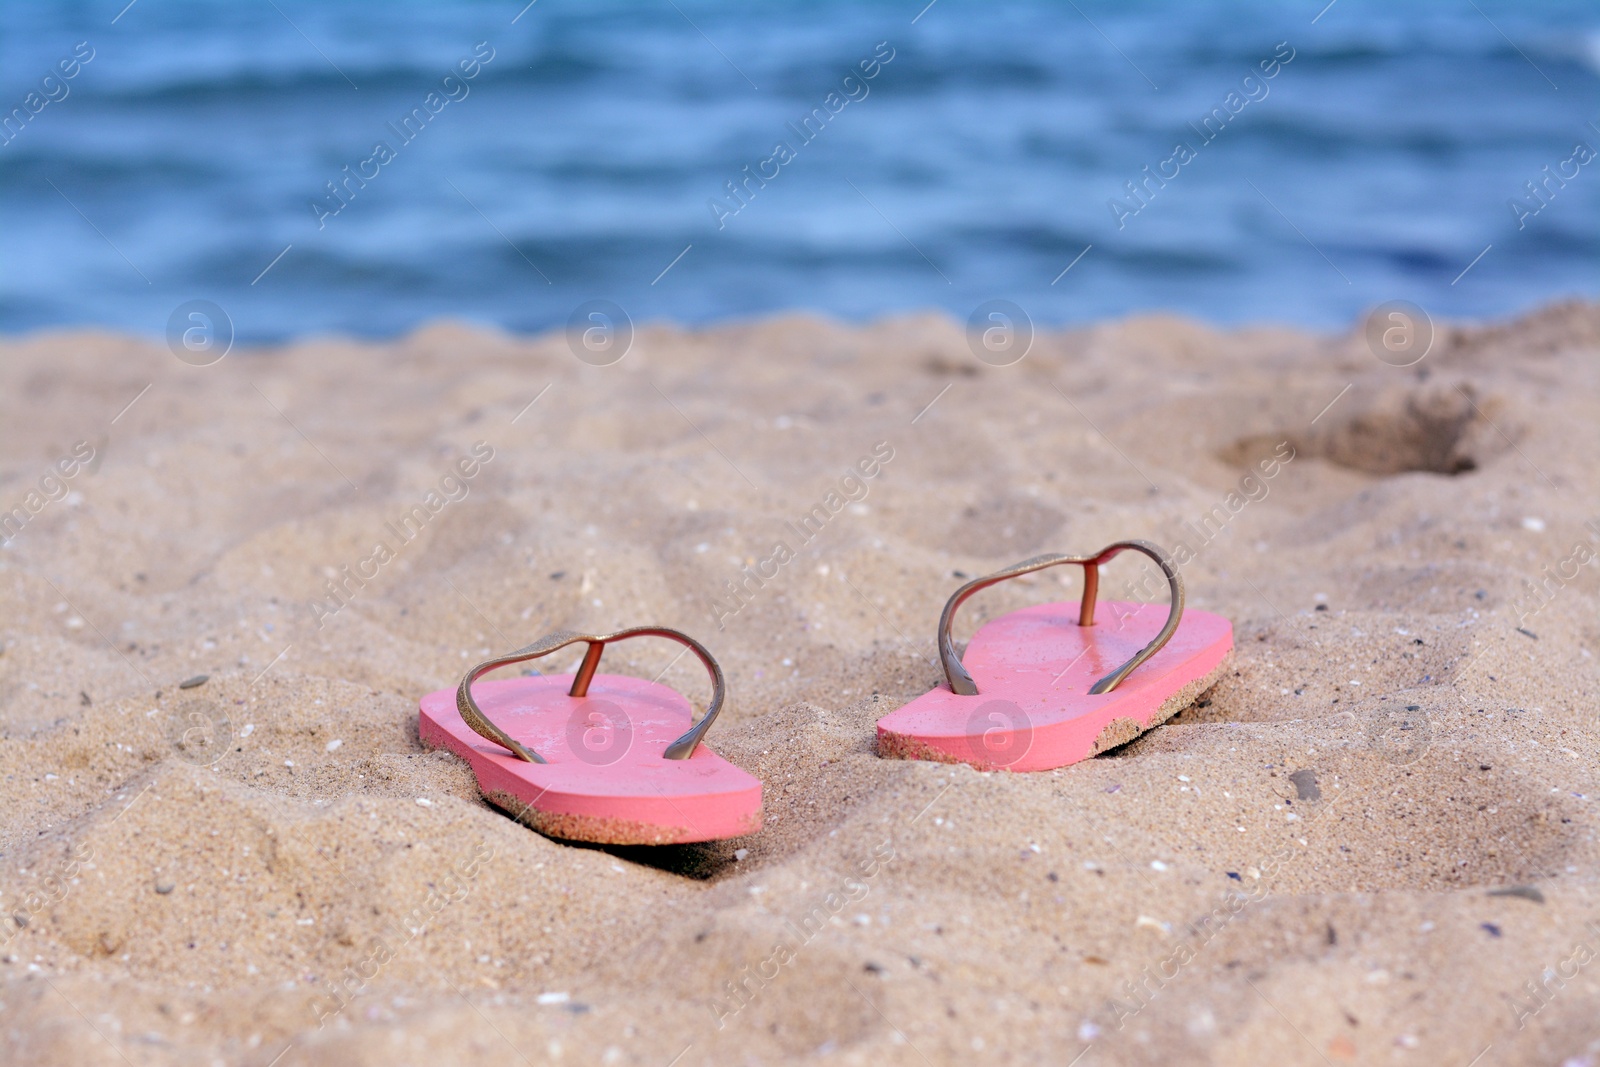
[(365, 167)]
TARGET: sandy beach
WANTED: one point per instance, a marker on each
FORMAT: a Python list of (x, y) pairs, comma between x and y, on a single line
[(1372, 842)]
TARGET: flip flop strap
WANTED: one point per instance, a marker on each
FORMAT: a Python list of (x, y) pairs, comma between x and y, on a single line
[(682, 748), (961, 682)]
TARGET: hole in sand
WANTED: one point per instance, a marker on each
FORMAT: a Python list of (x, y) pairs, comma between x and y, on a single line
[(1444, 429), (700, 861)]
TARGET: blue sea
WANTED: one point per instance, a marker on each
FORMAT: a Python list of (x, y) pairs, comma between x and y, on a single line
[(336, 166)]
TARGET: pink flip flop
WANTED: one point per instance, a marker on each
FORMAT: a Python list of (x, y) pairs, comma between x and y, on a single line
[(1027, 698), (602, 758)]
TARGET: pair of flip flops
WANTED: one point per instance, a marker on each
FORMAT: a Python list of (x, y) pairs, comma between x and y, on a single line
[(617, 760)]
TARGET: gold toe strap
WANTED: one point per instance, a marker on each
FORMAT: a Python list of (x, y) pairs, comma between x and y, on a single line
[(682, 748), (961, 682)]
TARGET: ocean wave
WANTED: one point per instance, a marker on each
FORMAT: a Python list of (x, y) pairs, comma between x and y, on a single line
[(287, 83), (82, 168)]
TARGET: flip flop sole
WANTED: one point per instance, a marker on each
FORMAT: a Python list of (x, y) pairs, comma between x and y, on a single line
[(1034, 668), (606, 781)]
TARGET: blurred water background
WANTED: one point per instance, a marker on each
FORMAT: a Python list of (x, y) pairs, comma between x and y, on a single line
[(982, 158)]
